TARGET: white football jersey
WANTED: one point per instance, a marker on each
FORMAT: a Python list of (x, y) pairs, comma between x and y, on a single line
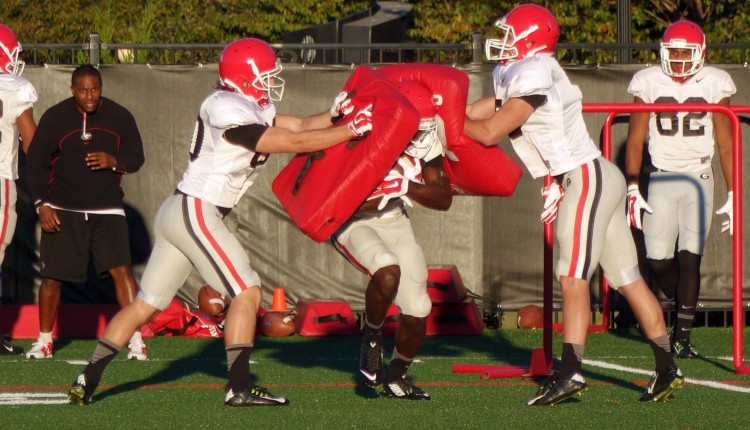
[(554, 140), (220, 172), (681, 141), (16, 96)]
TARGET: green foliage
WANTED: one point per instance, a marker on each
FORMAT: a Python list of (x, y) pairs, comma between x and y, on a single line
[(434, 21)]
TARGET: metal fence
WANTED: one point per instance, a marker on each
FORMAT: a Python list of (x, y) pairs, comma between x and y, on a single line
[(96, 52)]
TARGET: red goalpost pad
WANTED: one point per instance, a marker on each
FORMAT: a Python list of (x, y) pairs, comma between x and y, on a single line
[(320, 191), (472, 168)]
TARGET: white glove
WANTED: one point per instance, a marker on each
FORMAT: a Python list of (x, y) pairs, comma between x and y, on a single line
[(552, 196), (412, 168), (635, 204), (728, 209), (362, 122), (342, 105), (394, 185)]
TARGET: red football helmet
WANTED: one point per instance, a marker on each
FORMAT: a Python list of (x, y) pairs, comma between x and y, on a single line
[(249, 66), (426, 104), (683, 35), (9, 50), (526, 30)]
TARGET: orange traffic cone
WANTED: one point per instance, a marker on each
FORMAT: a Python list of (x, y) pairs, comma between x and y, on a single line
[(279, 299)]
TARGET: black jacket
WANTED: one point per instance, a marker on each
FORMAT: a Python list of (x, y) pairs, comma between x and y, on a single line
[(56, 167)]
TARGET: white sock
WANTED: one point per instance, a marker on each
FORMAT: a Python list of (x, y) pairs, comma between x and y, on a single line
[(45, 337)]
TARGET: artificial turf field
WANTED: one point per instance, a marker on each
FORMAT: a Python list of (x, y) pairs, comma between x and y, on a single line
[(181, 386)]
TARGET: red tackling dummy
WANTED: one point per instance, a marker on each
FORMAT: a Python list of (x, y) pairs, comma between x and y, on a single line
[(320, 191), (472, 168)]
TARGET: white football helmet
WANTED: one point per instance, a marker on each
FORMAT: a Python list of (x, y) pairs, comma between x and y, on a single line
[(250, 67), (10, 47), (684, 35), (526, 30)]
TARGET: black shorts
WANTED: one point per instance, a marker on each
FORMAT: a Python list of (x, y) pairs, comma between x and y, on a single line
[(65, 254)]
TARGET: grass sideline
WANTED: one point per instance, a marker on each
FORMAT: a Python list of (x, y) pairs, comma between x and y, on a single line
[(181, 386)]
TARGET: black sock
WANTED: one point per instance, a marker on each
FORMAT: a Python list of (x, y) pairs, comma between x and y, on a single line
[(570, 362), (103, 354), (238, 361), (662, 354)]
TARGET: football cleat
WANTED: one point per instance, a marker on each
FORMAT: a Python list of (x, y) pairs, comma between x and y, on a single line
[(662, 385), (40, 349), (254, 396), (137, 351), (82, 391), (556, 389), (7, 348), (371, 359), (684, 349), (404, 388)]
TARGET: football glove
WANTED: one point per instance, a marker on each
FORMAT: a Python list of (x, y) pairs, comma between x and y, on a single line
[(636, 203), (394, 185), (362, 122), (342, 105), (412, 168), (728, 209), (552, 196)]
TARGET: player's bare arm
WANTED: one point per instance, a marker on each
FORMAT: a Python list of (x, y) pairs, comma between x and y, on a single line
[(512, 115), (435, 193), (280, 139), (723, 135), (26, 128), (637, 130), (298, 124), (481, 109)]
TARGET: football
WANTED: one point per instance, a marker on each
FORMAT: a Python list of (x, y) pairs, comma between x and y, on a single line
[(211, 302), (530, 316), (277, 324)]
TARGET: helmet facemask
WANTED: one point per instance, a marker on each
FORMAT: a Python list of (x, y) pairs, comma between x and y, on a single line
[(269, 82), (424, 138), (681, 67), (9, 58)]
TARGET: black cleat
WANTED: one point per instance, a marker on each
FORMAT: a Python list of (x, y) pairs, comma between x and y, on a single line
[(7, 348), (555, 389), (662, 385), (254, 396), (82, 391), (371, 359), (684, 349), (404, 388)]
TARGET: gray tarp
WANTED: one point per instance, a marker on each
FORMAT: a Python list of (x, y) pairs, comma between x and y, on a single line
[(496, 243)]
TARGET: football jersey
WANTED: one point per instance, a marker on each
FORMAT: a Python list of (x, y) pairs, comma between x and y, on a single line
[(554, 140), (220, 172), (681, 141), (16, 95)]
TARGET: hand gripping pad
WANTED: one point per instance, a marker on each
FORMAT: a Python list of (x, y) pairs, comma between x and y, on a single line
[(320, 191), (472, 168)]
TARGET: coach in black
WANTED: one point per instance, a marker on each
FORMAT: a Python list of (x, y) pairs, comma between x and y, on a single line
[(81, 149)]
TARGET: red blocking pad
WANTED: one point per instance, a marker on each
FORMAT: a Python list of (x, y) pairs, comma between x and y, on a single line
[(324, 318), (472, 168), (320, 191), (464, 318), (444, 284)]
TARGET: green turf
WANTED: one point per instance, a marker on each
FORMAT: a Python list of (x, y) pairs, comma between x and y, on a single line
[(181, 386)]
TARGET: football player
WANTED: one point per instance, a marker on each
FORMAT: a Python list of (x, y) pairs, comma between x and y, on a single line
[(17, 98), (379, 240), (236, 129), (681, 179), (540, 110)]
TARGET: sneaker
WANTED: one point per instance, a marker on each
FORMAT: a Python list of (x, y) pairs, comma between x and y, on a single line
[(81, 391), (137, 351), (254, 396), (684, 349), (662, 385), (40, 349), (404, 388), (556, 389), (7, 348), (371, 359)]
